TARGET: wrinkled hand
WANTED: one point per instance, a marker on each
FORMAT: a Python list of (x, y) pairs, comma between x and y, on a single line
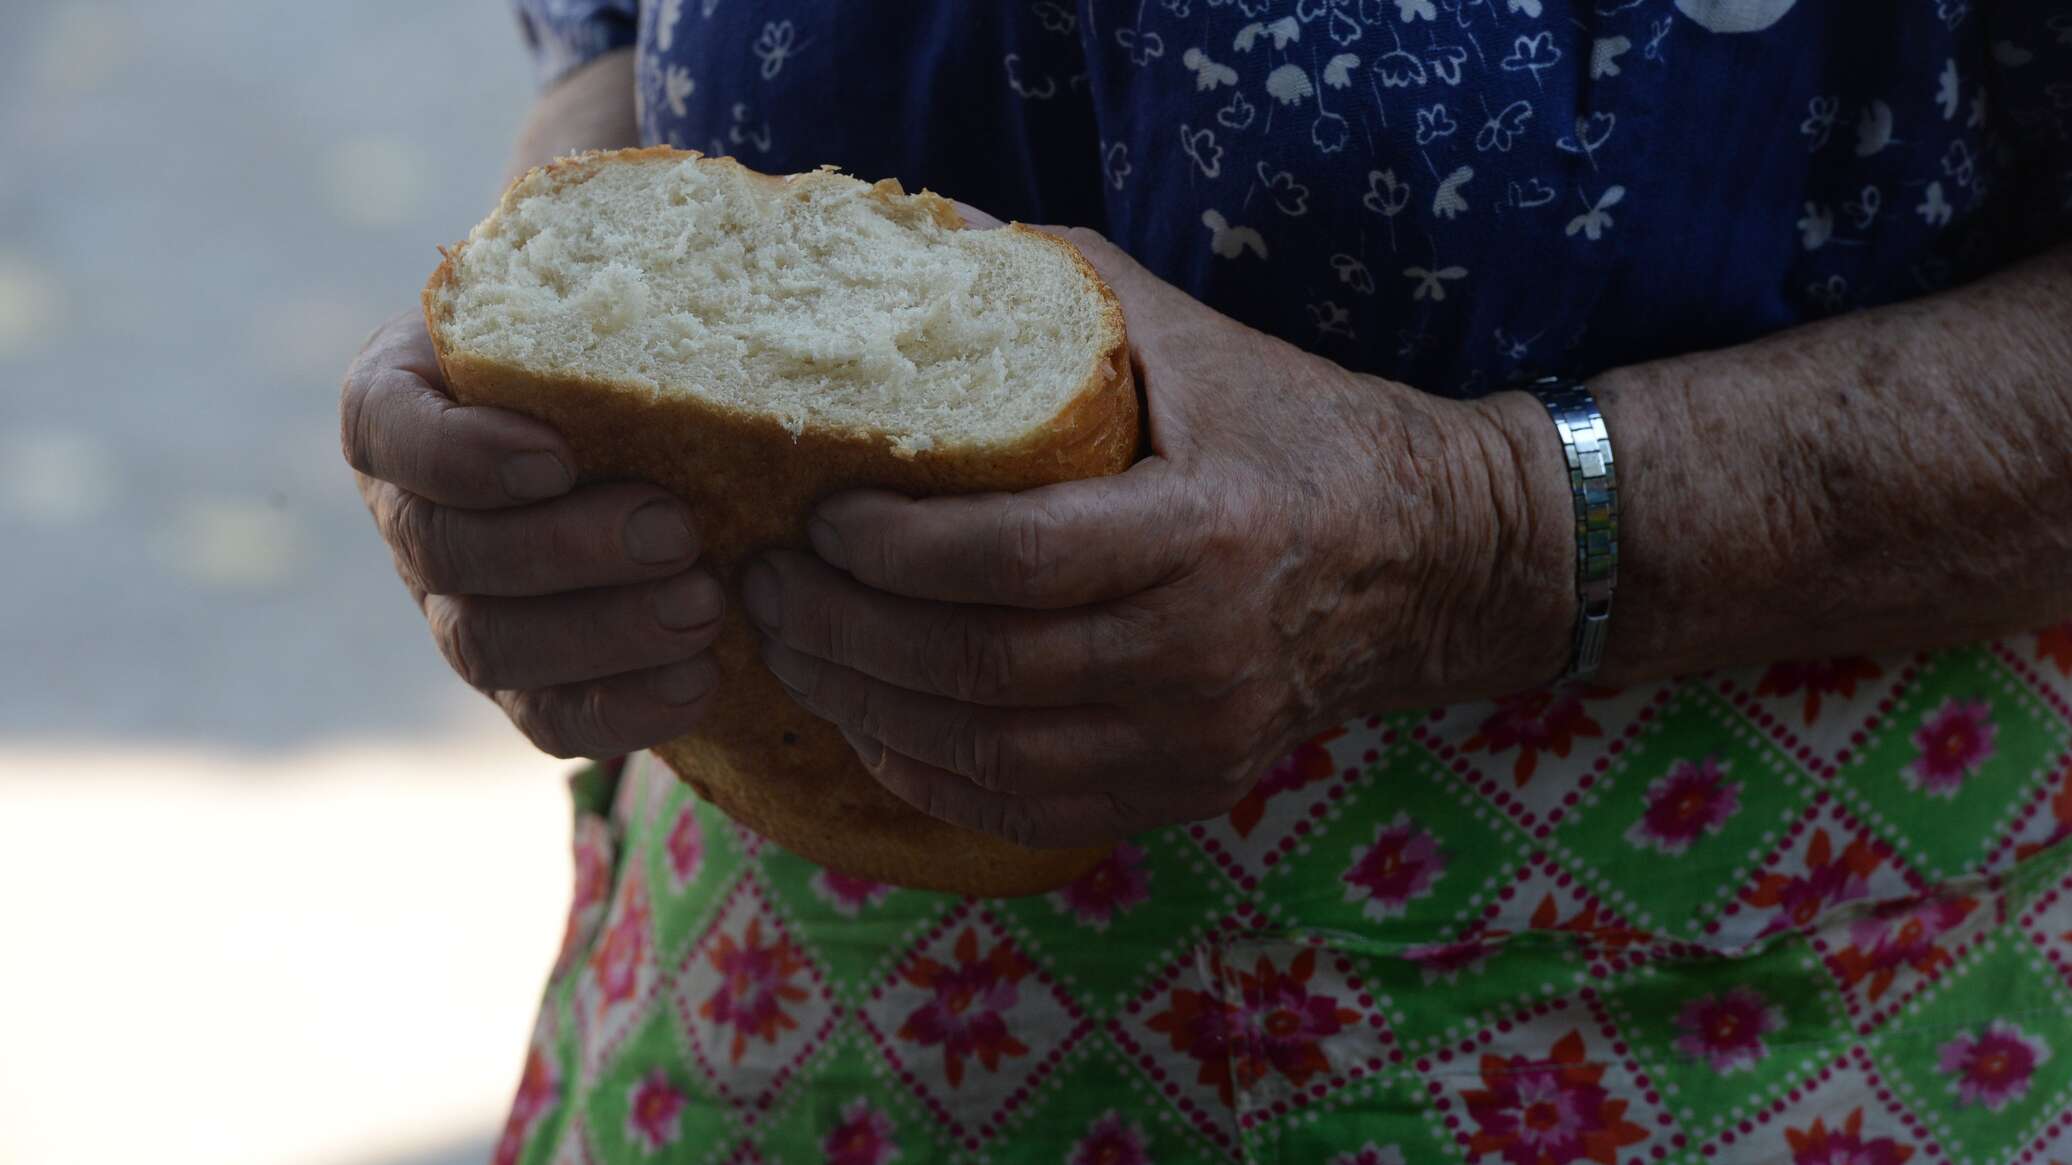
[(1079, 662), (576, 610)]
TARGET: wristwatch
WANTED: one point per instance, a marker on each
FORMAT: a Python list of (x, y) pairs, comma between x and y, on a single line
[(1595, 486)]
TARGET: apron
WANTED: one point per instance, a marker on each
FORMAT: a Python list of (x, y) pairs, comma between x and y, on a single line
[(1817, 912)]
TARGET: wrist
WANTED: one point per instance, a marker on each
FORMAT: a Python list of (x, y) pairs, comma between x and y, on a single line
[(1455, 553), (1516, 463)]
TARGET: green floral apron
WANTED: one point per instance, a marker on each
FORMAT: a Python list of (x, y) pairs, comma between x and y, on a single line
[(1817, 913)]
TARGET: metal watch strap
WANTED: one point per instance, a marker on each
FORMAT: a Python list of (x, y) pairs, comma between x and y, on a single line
[(1595, 485)]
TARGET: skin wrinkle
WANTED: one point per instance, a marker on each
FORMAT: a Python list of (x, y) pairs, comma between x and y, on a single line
[(1754, 503), (1939, 447), (1470, 611), (1328, 663), (1537, 579), (1442, 552), (1455, 567), (1907, 486)]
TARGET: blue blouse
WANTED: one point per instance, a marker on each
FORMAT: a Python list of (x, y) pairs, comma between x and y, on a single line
[(1452, 193)]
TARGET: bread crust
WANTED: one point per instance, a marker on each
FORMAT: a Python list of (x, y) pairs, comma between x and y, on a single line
[(750, 486)]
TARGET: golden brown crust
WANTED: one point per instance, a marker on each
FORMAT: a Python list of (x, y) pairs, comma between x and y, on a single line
[(750, 485)]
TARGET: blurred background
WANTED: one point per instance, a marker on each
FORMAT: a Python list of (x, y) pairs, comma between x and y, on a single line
[(274, 887)]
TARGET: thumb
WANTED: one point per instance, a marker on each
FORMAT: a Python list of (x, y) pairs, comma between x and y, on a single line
[(1169, 331), (974, 217), (1145, 297)]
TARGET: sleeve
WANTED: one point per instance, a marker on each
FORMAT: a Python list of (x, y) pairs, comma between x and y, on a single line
[(564, 35)]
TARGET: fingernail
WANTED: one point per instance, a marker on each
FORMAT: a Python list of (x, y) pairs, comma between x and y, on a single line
[(682, 683), (534, 474), (870, 752), (688, 601), (778, 658), (759, 595), (826, 542), (658, 532)]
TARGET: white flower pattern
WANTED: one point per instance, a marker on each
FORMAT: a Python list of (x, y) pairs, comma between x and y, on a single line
[(1347, 138), (1229, 241), (776, 46), (1596, 220), (1432, 284)]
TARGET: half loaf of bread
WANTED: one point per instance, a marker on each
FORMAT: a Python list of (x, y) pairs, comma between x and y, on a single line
[(753, 344)]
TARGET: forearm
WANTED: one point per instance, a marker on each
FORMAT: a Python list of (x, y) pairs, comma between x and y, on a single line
[(590, 109), (1890, 480)]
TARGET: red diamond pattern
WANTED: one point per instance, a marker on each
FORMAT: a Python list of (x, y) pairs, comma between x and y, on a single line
[(972, 1025), (750, 1003)]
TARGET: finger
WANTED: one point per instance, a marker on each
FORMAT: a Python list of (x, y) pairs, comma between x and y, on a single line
[(974, 217), (603, 535), (998, 656), (396, 423), (374, 494), (498, 643), (1139, 291), (1053, 822), (615, 716), (1060, 545), (1024, 751), (1178, 345), (1059, 820)]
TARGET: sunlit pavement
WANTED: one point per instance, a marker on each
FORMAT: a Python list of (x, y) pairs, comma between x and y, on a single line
[(274, 887), (327, 958)]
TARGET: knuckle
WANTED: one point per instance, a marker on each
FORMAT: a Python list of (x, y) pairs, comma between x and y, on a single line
[(549, 735), (879, 553), (534, 716), (966, 662), (847, 637), (374, 495), (852, 703), (1190, 519), (813, 626), (1121, 646), (461, 629), (595, 721), (978, 752), (420, 533), (810, 680), (352, 417), (938, 802), (370, 391), (1025, 553), (1231, 525)]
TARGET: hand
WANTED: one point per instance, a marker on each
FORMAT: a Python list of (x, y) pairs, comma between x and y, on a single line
[(1072, 664), (576, 610)]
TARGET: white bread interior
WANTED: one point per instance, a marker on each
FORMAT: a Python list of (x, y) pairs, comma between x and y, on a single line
[(754, 344), (816, 299)]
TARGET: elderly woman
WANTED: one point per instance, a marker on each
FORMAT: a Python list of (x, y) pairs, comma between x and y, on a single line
[(1583, 674)]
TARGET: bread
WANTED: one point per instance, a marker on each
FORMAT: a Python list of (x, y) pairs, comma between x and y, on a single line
[(754, 344)]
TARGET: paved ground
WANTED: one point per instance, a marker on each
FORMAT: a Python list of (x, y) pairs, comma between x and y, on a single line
[(202, 213), (290, 888)]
